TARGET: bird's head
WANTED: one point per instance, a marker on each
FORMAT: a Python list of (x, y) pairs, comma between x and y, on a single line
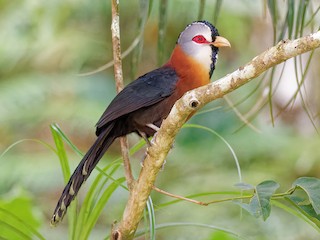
[(201, 41)]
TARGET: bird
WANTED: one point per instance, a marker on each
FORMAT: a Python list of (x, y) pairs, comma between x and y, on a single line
[(145, 102)]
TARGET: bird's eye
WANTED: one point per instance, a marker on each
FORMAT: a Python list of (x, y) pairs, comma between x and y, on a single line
[(199, 39)]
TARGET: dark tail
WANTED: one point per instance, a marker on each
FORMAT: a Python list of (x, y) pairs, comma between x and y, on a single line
[(82, 172)]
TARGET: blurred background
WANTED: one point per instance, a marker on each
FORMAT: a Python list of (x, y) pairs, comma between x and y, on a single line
[(46, 45)]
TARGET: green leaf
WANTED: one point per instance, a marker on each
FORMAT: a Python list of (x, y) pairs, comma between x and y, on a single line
[(90, 199), (61, 152), (55, 127), (17, 218), (220, 235), (152, 219), (260, 203), (58, 137), (306, 207), (223, 140), (298, 212), (311, 186), (96, 211)]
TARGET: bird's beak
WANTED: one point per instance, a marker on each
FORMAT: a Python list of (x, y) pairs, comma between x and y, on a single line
[(221, 42)]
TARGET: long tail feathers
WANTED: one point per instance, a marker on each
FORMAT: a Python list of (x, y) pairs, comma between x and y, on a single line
[(82, 172)]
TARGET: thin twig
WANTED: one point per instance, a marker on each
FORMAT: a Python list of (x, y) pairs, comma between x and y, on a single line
[(111, 63), (115, 30), (274, 196), (179, 197)]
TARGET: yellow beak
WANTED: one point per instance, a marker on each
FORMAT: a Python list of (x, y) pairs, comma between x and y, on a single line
[(221, 42)]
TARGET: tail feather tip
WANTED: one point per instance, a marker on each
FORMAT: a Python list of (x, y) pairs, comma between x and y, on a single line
[(57, 217)]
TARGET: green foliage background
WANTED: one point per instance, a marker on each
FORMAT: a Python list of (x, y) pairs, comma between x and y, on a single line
[(44, 45)]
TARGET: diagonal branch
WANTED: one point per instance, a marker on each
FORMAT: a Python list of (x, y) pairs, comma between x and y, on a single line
[(188, 104)]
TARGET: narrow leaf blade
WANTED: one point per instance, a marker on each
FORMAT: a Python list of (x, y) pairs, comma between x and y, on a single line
[(61, 152)]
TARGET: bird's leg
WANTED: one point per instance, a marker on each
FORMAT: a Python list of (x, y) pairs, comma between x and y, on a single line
[(145, 138), (156, 129), (152, 126)]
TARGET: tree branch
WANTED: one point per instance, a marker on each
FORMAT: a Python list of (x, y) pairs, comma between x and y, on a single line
[(188, 104), (115, 31)]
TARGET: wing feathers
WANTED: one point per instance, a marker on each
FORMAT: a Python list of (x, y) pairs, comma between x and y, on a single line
[(147, 90)]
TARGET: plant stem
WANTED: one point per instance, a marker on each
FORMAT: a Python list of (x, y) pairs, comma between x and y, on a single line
[(116, 46)]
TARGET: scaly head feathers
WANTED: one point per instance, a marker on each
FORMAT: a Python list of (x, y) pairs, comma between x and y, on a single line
[(200, 40)]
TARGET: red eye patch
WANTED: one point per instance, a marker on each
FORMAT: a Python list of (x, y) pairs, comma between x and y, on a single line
[(199, 39)]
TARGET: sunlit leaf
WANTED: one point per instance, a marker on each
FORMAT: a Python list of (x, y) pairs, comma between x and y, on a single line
[(219, 235), (17, 219)]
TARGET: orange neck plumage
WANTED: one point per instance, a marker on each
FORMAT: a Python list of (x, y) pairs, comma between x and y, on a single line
[(191, 73)]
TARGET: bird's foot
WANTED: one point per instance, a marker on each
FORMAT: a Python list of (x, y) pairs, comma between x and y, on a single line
[(152, 143), (162, 167), (152, 126), (142, 160)]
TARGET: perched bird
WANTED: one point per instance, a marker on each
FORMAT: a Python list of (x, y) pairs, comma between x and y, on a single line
[(143, 104)]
